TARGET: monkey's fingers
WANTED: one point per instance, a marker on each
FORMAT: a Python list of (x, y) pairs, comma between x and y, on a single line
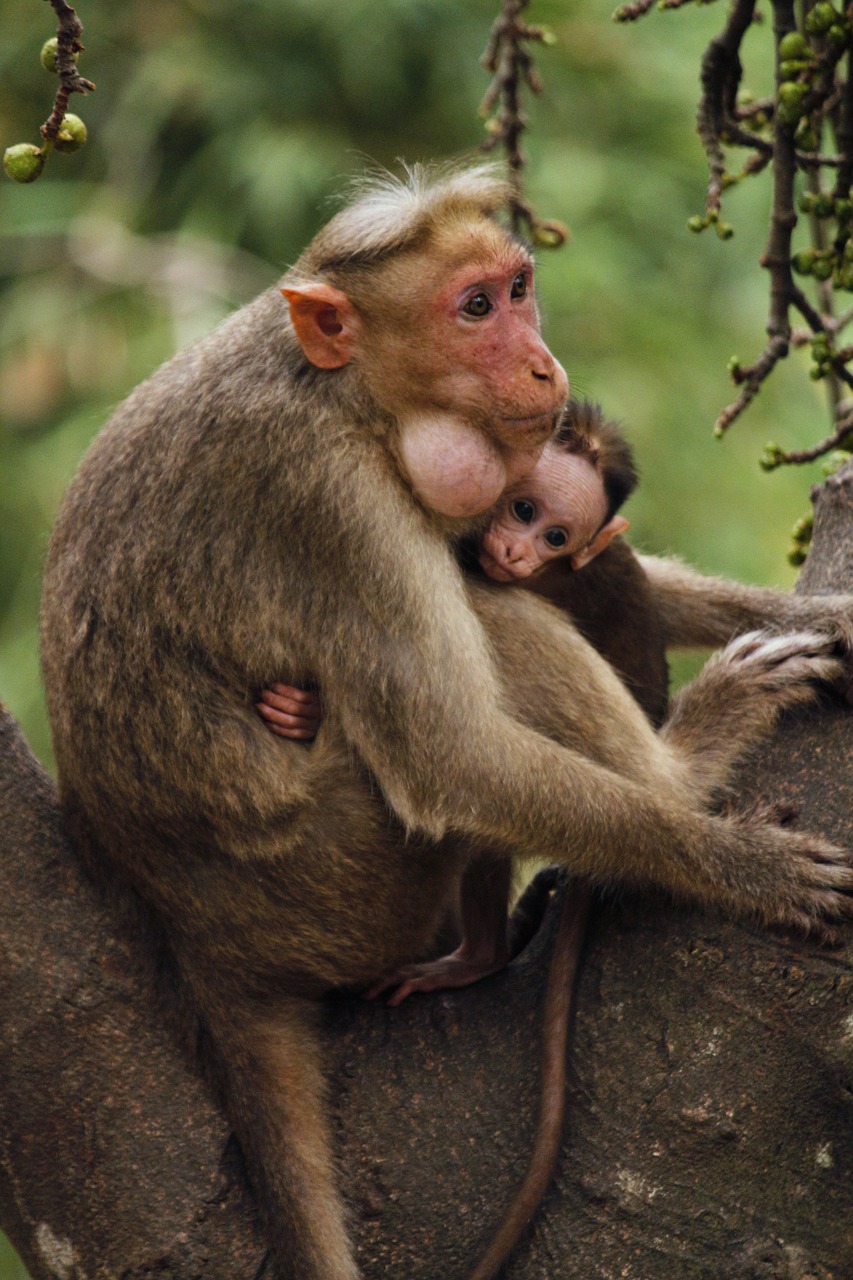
[(837, 621), (768, 649), (384, 984), (291, 712), (297, 702), (308, 699), (286, 725)]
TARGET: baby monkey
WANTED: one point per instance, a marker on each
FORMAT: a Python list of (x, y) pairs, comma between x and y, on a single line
[(565, 509)]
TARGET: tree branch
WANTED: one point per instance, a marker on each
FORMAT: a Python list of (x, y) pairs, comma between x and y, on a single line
[(707, 1124)]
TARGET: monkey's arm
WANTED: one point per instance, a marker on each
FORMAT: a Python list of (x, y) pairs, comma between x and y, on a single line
[(497, 722), (700, 611)]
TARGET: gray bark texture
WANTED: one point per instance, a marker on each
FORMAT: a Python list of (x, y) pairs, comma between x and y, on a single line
[(709, 1131)]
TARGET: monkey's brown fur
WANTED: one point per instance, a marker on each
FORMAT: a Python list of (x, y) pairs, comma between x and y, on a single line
[(584, 429), (613, 606), (243, 514)]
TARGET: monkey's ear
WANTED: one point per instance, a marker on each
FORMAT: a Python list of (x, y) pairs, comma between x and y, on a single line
[(326, 324), (602, 539)]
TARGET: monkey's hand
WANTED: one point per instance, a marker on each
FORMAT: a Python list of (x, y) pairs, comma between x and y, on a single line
[(810, 885), (786, 666), (460, 968), (830, 616), (291, 712)]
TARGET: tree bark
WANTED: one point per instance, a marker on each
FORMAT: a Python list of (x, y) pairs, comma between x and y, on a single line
[(710, 1117)]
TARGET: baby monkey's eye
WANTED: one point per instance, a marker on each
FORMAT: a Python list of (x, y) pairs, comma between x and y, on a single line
[(478, 306), (556, 538), (523, 510), (519, 286)]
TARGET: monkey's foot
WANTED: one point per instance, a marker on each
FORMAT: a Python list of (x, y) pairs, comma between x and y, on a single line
[(777, 661), (739, 695), (445, 974)]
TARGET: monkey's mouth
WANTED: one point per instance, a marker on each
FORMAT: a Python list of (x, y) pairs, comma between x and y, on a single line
[(533, 422), (498, 572), (527, 432)]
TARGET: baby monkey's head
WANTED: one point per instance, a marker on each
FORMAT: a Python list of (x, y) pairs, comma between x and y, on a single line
[(567, 505)]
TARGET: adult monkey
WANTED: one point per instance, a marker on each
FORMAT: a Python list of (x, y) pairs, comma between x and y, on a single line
[(278, 498)]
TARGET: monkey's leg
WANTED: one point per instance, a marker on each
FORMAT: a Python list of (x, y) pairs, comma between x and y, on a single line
[(274, 1085), (739, 695), (484, 949)]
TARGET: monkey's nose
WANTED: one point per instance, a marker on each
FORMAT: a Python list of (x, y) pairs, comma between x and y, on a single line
[(515, 553), (544, 367)]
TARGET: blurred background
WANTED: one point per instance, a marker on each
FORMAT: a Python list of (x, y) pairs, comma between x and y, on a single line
[(218, 135)]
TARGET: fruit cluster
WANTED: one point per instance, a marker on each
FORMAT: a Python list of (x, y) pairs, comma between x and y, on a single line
[(25, 161)]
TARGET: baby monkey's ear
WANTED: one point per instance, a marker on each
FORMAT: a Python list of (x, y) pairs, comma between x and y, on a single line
[(326, 323), (605, 535)]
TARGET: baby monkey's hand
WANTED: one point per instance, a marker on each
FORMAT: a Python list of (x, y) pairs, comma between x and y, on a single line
[(291, 712)]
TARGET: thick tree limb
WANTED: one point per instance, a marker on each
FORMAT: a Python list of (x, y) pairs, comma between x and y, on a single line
[(710, 1130)]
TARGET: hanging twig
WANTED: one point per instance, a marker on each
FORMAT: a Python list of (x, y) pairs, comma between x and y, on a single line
[(751, 378), (69, 31), (512, 68), (834, 441), (24, 161), (720, 77)]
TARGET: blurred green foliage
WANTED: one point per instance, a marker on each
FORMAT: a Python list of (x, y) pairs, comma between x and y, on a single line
[(219, 132)]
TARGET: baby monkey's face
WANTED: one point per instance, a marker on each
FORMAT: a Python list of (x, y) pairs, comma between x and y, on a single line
[(557, 510)]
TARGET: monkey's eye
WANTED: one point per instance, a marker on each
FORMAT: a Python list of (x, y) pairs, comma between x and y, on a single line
[(478, 306), (519, 286), (523, 510), (556, 538)]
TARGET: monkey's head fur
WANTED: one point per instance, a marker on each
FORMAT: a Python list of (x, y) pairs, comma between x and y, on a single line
[(583, 429), (387, 215)]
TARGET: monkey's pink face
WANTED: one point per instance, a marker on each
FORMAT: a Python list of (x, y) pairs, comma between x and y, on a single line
[(489, 362), (555, 511), (483, 390)]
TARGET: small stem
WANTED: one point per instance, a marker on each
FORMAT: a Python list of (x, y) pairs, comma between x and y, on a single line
[(798, 456), (69, 31), (752, 378)]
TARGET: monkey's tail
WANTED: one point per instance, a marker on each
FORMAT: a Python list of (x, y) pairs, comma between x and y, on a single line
[(559, 997), (275, 1093)]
